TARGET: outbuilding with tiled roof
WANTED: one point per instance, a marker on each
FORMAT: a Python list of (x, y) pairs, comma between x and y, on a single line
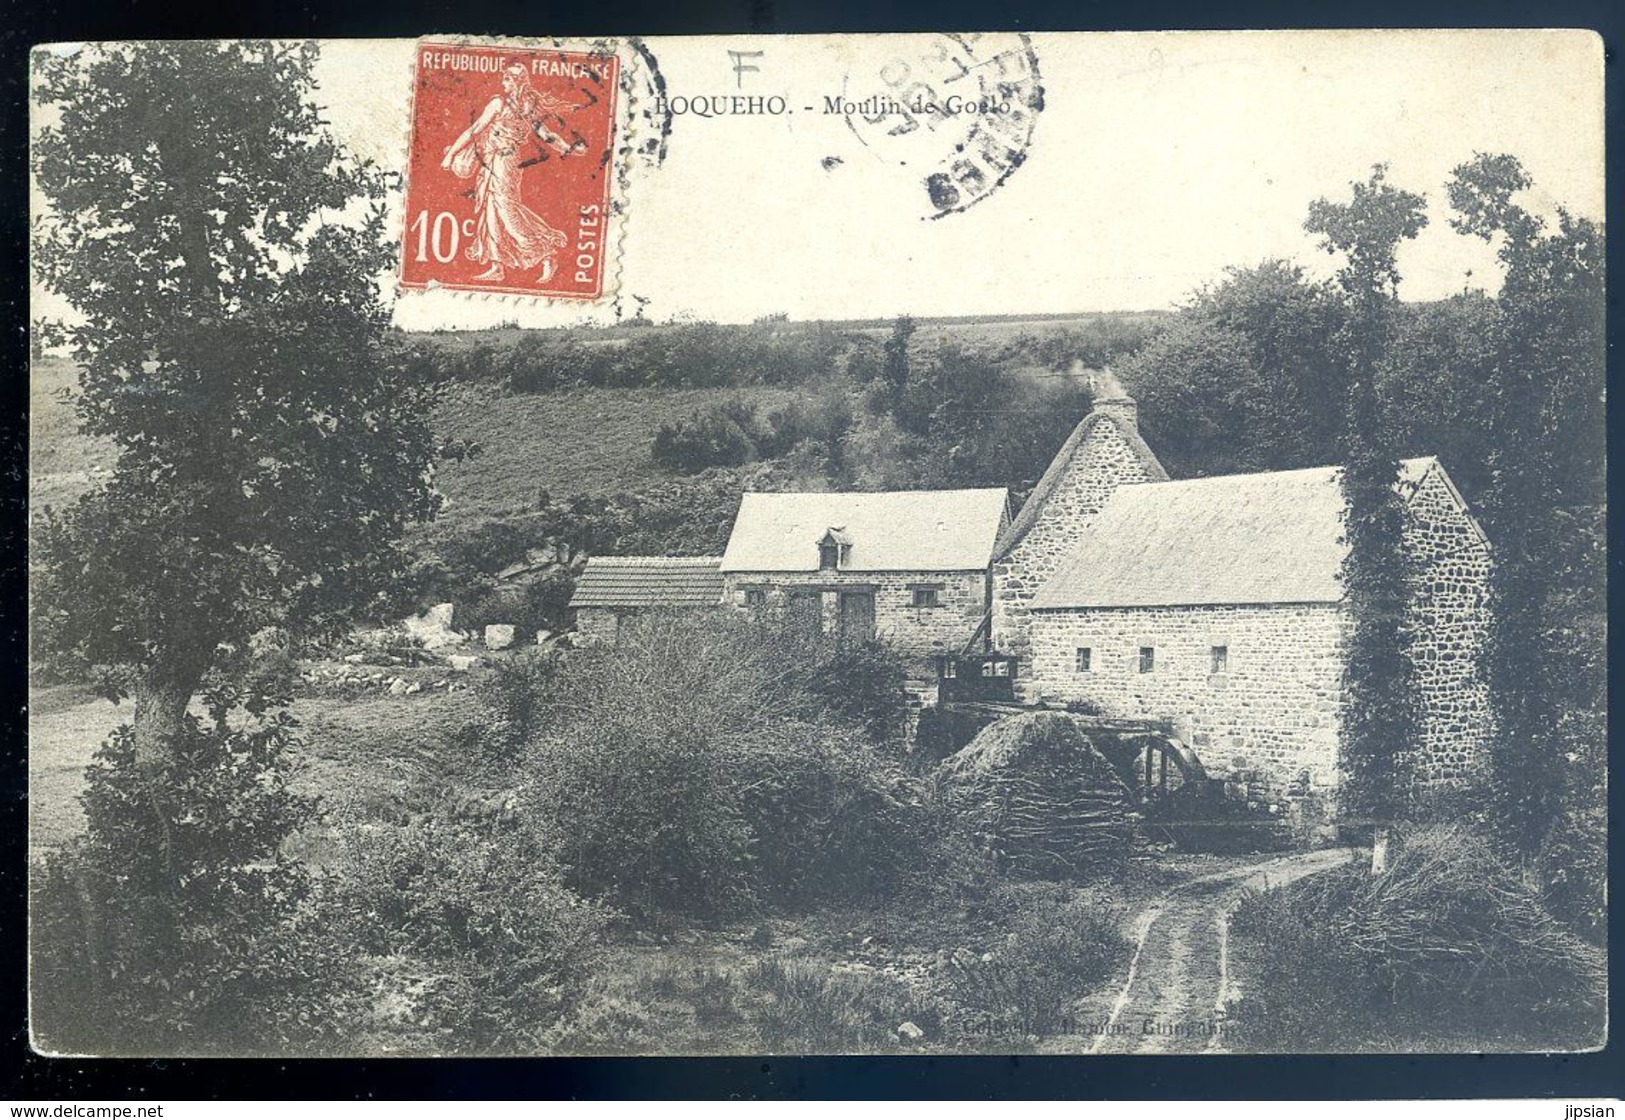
[(610, 587)]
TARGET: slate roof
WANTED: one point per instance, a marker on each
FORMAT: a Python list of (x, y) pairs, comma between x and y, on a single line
[(649, 581), (894, 531), (1234, 539), (1058, 466)]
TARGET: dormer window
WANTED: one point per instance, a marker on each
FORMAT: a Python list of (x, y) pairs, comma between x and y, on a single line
[(834, 551)]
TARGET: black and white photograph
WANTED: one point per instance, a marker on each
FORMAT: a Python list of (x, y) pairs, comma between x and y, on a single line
[(1017, 543)]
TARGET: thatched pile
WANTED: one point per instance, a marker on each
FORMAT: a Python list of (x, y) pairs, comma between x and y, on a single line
[(1035, 791)]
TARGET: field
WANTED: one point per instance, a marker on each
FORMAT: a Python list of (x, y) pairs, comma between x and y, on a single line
[(367, 757), (62, 463), (592, 442)]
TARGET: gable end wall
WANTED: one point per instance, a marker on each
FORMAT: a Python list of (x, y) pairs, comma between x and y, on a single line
[(1450, 623), (1101, 462)]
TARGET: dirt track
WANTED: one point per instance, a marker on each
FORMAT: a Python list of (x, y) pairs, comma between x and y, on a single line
[(1179, 976)]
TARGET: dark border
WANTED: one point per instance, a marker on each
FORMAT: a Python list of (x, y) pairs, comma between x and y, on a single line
[(24, 1075)]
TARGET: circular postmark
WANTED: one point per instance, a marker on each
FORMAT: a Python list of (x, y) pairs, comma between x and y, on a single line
[(959, 111), (643, 87)]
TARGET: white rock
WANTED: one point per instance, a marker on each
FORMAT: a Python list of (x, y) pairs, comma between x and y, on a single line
[(433, 627), (909, 1032), (498, 635), (462, 662)]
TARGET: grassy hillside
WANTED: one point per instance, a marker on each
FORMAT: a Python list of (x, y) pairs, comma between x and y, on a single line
[(61, 462), (583, 441), (578, 441)]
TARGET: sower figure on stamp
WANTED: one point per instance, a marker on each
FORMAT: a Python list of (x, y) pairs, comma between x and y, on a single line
[(509, 234)]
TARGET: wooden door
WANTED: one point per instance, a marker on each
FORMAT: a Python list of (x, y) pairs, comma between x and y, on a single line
[(857, 616)]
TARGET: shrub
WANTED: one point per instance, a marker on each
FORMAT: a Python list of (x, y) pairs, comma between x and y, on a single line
[(540, 603), (506, 949), (695, 767), (723, 435), (1060, 945), (1446, 945), (861, 683), (520, 697), (647, 812), (177, 926), (489, 546), (831, 823)]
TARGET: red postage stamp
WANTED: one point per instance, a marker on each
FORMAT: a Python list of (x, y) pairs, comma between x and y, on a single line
[(508, 180)]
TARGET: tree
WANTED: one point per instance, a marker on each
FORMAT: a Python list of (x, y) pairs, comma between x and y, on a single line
[(887, 390), (222, 255), (1544, 507), (1200, 392), (1379, 713), (1244, 377), (1434, 379)]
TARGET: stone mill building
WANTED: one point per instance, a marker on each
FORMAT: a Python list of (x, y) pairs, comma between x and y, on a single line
[(1214, 604)]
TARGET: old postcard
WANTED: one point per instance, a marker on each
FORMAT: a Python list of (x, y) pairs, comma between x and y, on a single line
[(952, 543)]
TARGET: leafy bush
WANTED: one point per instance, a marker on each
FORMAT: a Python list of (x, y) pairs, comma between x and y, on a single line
[(831, 822), (723, 435), (540, 603), (520, 696), (1446, 945), (695, 767), (506, 950), (177, 925), (489, 546), (858, 682), (1060, 944)]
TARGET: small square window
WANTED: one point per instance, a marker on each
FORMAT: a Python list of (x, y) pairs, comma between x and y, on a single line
[(1219, 659), (1148, 658), (925, 597), (1085, 659), (755, 597)]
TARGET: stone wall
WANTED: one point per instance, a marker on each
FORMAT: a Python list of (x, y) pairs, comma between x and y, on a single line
[(1271, 717), (1101, 462), (918, 632), (1450, 621)]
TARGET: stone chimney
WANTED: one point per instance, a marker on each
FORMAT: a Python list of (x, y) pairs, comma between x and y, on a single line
[(1112, 398)]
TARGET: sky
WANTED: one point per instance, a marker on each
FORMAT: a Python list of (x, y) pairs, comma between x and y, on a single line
[(1158, 160)]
